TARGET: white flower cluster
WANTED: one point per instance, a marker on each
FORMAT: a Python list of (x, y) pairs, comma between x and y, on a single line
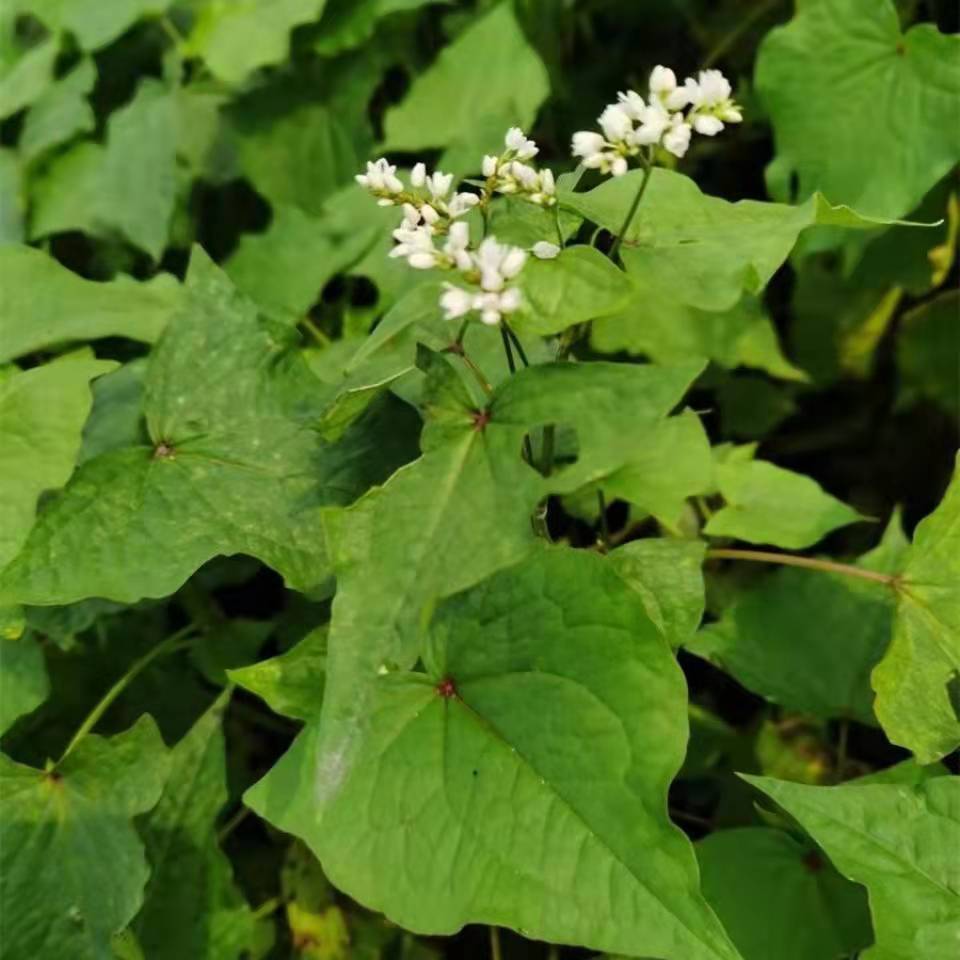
[(432, 237), (633, 123), (509, 174)]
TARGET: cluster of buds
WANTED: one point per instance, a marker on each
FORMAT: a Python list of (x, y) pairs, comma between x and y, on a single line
[(428, 194), (488, 269), (510, 174), (667, 118)]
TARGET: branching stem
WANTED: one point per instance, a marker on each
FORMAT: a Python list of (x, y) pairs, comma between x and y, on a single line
[(632, 212), (811, 563)]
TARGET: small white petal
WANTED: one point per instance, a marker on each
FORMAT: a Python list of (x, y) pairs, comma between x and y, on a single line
[(662, 80), (490, 317), (619, 166), (385, 202), (731, 114), (615, 123), (677, 139), (393, 183), (489, 165), (587, 143), (513, 262), (632, 103), (455, 302), (510, 300), (429, 214), (418, 175), (707, 125), (677, 99), (422, 261), (544, 250)]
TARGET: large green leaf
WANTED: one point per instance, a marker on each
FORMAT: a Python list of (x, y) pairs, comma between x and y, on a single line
[(918, 702), (236, 37), (60, 113), (24, 73), (45, 305), (661, 326), (701, 251), (73, 867), (42, 413), (234, 466), (897, 840), (191, 907), (490, 63), (14, 208), (286, 268), (767, 504), (126, 187), (668, 575), (348, 23), (780, 898), (808, 639), (578, 285), (469, 783), (842, 84), (94, 25)]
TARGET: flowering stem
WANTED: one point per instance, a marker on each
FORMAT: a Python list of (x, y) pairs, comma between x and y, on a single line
[(175, 641), (512, 364), (495, 951), (631, 213), (811, 563), (462, 332), (515, 340), (457, 348)]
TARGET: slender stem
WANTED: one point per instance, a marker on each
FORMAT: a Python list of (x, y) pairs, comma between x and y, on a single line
[(843, 738), (495, 952), (477, 373), (549, 446), (508, 350), (462, 332), (556, 223), (232, 824), (811, 563), (604, 528), (316, 332), (171, 643), (631, 213), (690, 818), (267, 907), (554, 952), (515, 340)]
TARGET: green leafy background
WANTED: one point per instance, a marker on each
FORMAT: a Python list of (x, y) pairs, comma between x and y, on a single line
[(301, 658)]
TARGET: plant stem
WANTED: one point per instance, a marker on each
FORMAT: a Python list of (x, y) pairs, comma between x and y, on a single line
[(316, 332), (843, 738), (604, 529), (495, 952), (811, 563), (631, 213), (169, 645), (267, 907), (512, 364), (232, 824), (730, 40), (515, 340), (462, 332), (457, 348)]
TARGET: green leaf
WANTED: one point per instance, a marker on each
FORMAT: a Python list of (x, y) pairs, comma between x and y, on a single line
[(234, 466), (296, 155), (286, 268), (916, 682), (24, 74), (14, 208), (191, 906), (780, 898), (895, 840), (668, 576), (42, 412), (507, 821), (24, 684), (349, 23), (73, 867), (928, 344), (126, 187), (580, 284), (292, 683), (95, 25), (698, 250), (842, 83), (656, 323), (808, 639), (767, 504), (116, 420), (44, 305), (61, 113), (489, 63), (236, 37)]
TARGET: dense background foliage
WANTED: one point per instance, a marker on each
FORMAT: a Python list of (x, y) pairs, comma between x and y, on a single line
[(133, 132)]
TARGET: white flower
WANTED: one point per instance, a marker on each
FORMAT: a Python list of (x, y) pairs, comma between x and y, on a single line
[(618, 166), (544, 250), (662, 80), (615, 123), (461, 203), (381, 177), (677, 139), (457, 247), (455, 301), (517, 142), (708, 125), (493, 306), (490, 164), (439, 184), (497, 263), (714, 88), (655, 121), (416, 245), (418, 175), (587, 143), (429, 214), (632, 103)]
